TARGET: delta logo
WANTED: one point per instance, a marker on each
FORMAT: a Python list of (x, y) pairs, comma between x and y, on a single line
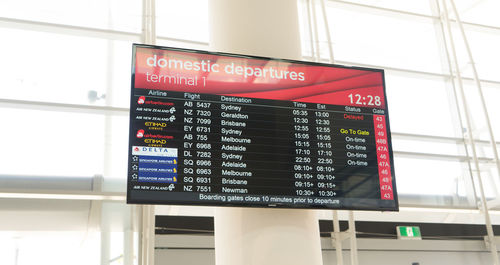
[(154, 151), (140, 133), (141, 100)]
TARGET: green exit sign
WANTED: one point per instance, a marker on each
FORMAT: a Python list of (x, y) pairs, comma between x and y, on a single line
[(408, 232)]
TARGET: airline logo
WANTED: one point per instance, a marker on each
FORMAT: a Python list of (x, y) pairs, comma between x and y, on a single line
[(154, 151), (141, 100), (157, 170), (140, 133)]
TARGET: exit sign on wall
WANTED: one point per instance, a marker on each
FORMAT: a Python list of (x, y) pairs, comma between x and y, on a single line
[(408, 232)]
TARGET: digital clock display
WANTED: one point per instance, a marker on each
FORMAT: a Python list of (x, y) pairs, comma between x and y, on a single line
[(367, 100), (233, 130)]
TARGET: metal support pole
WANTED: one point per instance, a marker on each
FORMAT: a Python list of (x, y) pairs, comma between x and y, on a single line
[(139, 209), (148, 22), (489, 228), (98, 218), (337, 238), (327, 29), (105, 246), (16, 255), (471, 187), (147, 235), (128, 247), (147, 216), (315, 30), (337, 235), (352, 239), (309, 23)]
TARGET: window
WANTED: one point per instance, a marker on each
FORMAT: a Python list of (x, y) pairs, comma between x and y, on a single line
[(121, 15), (383, 38), (427, 117)]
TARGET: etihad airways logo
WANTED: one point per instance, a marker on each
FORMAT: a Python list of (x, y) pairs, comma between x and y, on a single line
[(154, 151)]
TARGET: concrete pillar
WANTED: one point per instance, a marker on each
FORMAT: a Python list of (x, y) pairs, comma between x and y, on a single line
[(256, 27), (261, 236)]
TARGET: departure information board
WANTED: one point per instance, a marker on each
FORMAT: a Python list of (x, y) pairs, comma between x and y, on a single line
[(233, 130)]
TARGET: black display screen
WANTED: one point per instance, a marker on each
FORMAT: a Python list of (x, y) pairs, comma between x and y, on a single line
[(232, 130)]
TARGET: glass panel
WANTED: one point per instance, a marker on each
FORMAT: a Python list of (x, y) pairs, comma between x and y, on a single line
[(8, 246), (384, 38), (486, 55), (305, 35), (420, 105), (432, 182), (491, 181), (67, 233), (478, 119), (115, 175), (62, 68), (120, 74), (123, 15), (484, 45), (187, 19), (480, 12), (49, 248), (421, 7), (50, 143), (182, 44), (492, 95), (437, 146)]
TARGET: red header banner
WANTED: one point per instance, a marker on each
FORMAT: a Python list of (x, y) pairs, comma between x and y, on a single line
[(257, 78)]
